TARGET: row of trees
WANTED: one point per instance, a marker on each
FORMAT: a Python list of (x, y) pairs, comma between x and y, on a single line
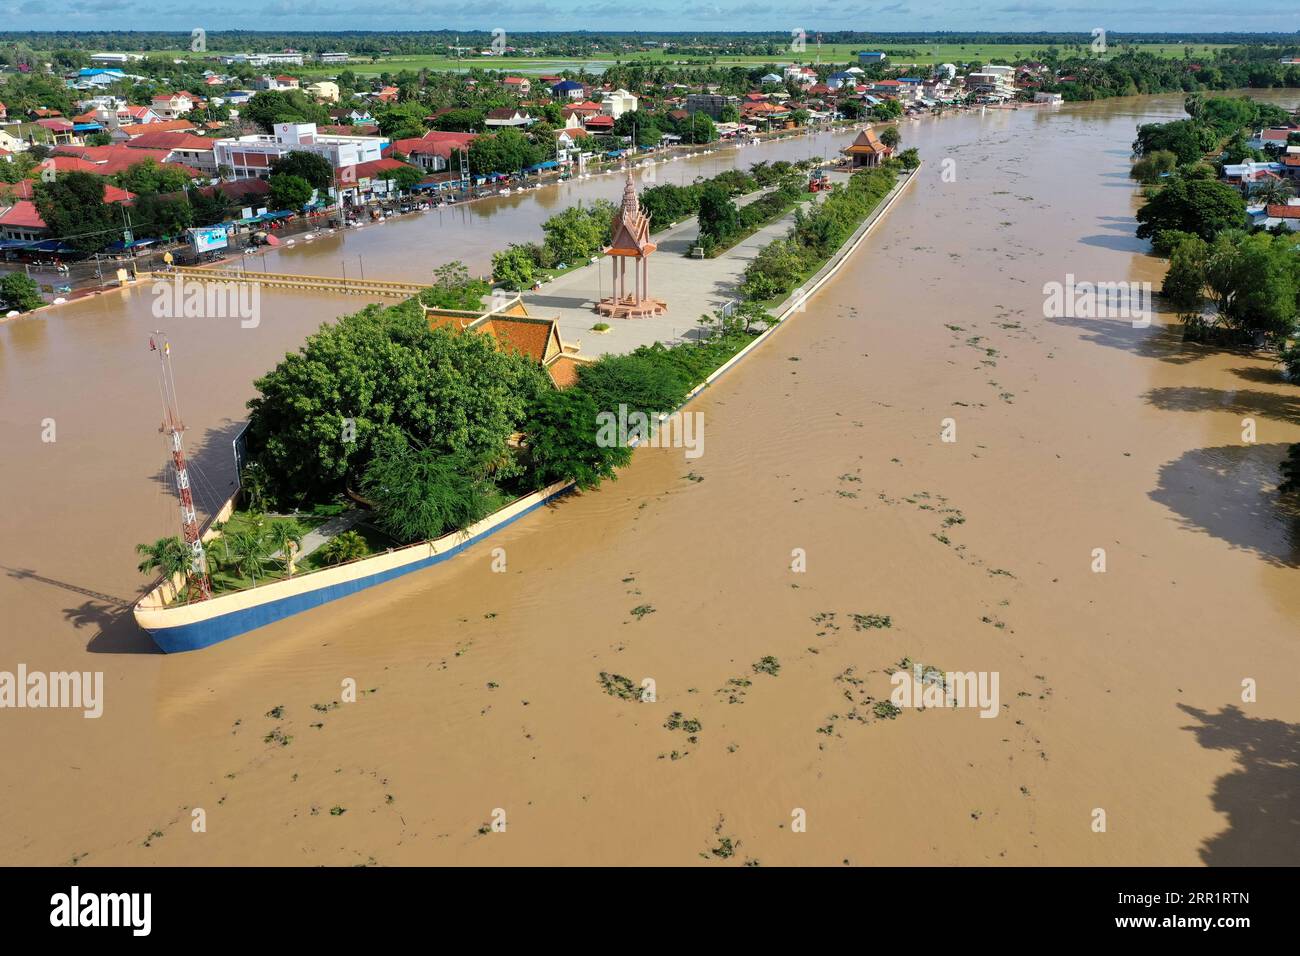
[(1252, 282), (571, 237), (1228, 284), (816, 234)]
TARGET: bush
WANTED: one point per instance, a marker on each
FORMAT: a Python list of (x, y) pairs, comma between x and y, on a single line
[(19, 292), (639, 380), (513, 267), (420, 494), (347, 546)]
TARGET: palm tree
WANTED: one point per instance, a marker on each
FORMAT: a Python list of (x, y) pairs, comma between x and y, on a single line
[(344, 547), (1272, 192), (286, 537), (249, 553), (219, 527), (252, 480), (168, 556)]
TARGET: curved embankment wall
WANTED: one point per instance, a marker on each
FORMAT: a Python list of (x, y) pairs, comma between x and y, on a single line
[(187, 627)]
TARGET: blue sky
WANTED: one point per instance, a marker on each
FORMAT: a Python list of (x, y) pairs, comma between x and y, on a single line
[(882, 15)]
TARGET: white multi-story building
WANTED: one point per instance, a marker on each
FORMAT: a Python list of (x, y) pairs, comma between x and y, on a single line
[(264, 59), (251, 157), (618, 102), (993, 82)]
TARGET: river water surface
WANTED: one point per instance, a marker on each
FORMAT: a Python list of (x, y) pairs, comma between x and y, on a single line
[(1120, 692)]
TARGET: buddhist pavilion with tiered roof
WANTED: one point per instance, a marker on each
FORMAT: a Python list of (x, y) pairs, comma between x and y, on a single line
[(631, 241)]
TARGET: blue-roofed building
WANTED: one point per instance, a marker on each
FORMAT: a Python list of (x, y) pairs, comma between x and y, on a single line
[(568, 90), (837, 80), (872, 57)]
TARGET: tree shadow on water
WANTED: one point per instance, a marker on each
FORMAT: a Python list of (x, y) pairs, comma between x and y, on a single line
[(1241, 401), (1261, 796), (1230, 492), (1162, 342)]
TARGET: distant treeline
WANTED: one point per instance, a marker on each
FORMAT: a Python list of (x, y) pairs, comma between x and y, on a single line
[(373, 42)]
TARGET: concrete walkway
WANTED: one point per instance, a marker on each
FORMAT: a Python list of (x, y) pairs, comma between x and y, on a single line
[(330, 529), (690, 287)]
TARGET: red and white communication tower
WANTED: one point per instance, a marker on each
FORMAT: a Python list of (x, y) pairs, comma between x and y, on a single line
[(174, 429)]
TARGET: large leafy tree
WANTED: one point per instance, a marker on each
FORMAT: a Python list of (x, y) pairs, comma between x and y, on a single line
[(376, 375), (313, 168), (1188, 139), (578, 233), (165, 216), (561, 441), (149, 176), (73, 208), (1255, 281), (403, 121), (462, 120), (277, 106), (1204, 207), (717, 212), (420, 493), (288, 192), (641, 381), (505, 151), (1184, 284)]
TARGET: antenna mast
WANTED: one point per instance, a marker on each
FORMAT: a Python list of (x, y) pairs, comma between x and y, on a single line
[(174, 428)]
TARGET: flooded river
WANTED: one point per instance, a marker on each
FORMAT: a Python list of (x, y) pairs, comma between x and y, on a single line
[(1120, 691)]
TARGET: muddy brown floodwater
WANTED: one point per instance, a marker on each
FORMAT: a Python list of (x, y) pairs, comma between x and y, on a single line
[(1120, 691)]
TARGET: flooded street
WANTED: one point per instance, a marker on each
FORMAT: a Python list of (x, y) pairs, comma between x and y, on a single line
[(1120, 691)]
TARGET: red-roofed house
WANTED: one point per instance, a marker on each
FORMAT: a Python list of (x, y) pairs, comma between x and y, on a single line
[(1288, 216), (59, 130), (130, 131), (22, 221), (517, 84), (110, 160), (387, 95), (185, 148), (432, 151)]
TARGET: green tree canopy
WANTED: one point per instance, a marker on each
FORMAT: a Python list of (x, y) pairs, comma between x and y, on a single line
[(384, 371), (19, 292), (561, 440), (420, 493), (1204, 207), (288, 192), (505, 151), (312, 167), (73, 208)]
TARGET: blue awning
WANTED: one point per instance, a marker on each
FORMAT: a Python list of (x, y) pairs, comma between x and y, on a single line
[(120, 246)]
